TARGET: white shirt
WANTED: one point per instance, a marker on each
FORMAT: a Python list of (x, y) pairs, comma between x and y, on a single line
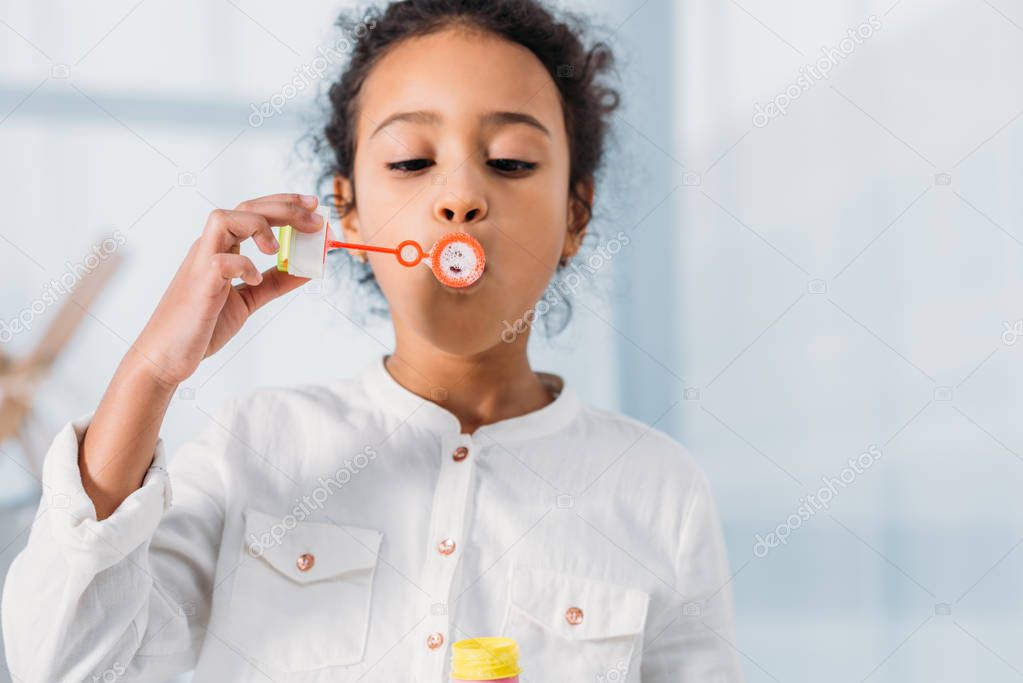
[(348, 531)]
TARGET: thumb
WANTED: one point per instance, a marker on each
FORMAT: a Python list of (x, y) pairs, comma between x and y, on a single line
[(274, 284)]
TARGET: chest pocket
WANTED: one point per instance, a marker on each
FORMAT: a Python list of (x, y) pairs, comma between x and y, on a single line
[(302, 591), (572, 629)]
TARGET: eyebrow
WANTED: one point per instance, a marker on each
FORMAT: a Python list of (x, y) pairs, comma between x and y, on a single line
[(493, 118)]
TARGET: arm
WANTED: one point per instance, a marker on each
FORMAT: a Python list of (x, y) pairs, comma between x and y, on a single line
[(128, 594), (108, 457), (200, 311), (694, 640), (111, 580)]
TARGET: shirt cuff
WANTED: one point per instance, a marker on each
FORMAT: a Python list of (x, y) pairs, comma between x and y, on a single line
[(73, 523)]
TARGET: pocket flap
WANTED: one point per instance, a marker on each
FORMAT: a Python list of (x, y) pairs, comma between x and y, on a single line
[(310, 551), (606, 610)]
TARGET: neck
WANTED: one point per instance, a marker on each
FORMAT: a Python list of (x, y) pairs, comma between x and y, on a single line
[(482, 388)]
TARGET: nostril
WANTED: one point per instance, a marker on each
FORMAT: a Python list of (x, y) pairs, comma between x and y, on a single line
[(471, 214), (449, 214)]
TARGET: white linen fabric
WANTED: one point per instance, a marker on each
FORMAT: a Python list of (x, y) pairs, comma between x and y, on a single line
[(349, 531)]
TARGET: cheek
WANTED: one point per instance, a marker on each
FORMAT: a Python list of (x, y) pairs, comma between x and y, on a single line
[(527, 251), (387, 206), (406, 289), (527, 267), (374, 228), (540, 232)]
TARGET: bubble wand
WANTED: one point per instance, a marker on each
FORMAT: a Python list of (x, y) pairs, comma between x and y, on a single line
[(456, 259)]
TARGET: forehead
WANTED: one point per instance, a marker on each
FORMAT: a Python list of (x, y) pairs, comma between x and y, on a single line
[(459, 72)]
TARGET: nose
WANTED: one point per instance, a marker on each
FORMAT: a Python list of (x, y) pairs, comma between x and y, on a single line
[(453, 209)]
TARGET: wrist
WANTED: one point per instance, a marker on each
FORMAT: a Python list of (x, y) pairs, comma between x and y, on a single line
[(138, 368)]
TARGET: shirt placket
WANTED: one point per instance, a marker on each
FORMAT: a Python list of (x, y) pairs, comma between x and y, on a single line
[(444, 549)]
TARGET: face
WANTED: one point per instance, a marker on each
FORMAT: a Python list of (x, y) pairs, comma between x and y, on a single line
[(461, 131)]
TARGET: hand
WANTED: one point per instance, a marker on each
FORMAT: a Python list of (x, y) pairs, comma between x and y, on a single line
[(201, 310)]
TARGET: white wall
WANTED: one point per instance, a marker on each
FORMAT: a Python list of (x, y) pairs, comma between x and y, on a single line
[(917, 280)]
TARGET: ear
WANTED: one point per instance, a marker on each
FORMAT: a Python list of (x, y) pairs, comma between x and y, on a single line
[(578, 218), (344, 194)]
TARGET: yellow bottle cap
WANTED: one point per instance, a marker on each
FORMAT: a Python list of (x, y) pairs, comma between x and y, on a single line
[(484, 659)]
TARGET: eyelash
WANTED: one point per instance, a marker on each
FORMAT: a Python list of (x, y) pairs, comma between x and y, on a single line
[(402, 167)]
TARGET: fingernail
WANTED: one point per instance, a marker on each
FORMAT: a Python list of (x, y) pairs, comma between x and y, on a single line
[(275, 243), (309, 200)]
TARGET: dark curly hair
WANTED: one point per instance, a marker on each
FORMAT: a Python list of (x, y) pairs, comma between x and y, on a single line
[(577, 71)]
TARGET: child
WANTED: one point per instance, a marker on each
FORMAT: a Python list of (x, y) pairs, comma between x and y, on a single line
[(353, 529)]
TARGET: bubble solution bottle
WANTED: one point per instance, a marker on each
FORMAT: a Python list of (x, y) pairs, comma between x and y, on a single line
[(485, 659)]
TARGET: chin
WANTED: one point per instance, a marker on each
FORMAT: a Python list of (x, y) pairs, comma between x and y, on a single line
[(460, 326), (464, 339)]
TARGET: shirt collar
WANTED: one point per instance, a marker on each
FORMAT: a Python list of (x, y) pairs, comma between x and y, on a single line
[(393, 398)]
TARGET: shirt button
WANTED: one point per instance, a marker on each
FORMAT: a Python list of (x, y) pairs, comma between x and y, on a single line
[(460, 454), (574, 616), (434, 640), (305, 562), (446, 547)]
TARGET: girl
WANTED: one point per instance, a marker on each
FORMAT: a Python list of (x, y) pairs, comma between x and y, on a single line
[(353, 529)]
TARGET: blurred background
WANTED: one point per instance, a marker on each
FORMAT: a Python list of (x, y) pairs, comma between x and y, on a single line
[(824, 264)]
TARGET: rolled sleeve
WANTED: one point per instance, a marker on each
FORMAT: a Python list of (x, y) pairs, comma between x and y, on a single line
[(87, 594), (92, 545)]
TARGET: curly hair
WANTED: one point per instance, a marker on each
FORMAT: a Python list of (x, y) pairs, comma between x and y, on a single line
[(578, 72)]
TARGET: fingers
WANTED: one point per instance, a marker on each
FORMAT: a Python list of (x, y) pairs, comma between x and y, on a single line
[(230, 266), (308, 201), (296, 210), (226, 228), (274, 284)]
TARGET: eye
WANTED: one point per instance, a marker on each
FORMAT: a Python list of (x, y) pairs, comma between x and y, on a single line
[(410, 165), (511, 165)]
